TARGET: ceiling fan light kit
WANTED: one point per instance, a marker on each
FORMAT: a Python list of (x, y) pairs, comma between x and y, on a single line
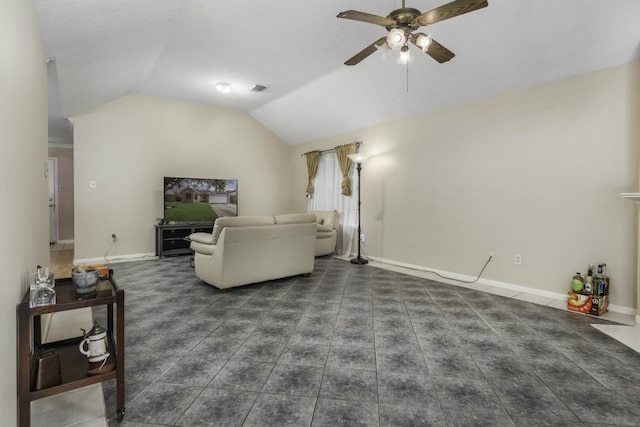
[(401, 24), (223, 87)]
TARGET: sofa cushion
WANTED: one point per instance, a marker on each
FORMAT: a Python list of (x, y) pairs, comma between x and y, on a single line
[(295, 218), (322, 228), (320, 221), (238, 221), (328, 218)]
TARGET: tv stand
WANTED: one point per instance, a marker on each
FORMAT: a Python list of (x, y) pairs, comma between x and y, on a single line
[(170, 238)]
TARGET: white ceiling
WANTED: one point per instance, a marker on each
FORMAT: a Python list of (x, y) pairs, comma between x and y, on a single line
[(105, 49)]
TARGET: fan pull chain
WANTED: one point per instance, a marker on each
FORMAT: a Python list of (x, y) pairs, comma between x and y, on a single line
[(407, 75)]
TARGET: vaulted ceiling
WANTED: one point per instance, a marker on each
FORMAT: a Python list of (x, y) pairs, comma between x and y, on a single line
[(106, 49)]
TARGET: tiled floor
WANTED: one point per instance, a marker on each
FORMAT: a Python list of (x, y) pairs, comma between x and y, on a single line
[(357, 345)]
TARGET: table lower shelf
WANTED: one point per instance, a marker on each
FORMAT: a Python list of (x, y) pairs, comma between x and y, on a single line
[(74, 367)]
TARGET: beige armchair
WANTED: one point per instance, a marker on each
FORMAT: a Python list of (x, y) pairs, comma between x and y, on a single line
[(327, 231)]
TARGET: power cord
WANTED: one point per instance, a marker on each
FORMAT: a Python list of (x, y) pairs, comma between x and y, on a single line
[(445, 277)]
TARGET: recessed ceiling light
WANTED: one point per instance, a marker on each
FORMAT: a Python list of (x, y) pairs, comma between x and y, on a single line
[(223, 87)]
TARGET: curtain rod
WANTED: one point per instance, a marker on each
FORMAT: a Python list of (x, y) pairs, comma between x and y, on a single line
[(358, 144)]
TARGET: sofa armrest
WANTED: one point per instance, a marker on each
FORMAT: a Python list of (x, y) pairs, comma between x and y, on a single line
[(204, 238)]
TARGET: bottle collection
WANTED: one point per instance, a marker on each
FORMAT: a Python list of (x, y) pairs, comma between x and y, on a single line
[(590, 294), (595, 282)]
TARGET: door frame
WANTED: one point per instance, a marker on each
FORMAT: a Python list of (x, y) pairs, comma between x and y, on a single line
[(52, 177)]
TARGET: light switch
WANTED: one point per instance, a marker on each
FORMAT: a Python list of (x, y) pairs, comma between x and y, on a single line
[(92, 184)]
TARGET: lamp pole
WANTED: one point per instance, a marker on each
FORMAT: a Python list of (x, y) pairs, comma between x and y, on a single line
[(358, 159)]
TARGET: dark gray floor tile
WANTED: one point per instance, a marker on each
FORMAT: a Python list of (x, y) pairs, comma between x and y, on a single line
[(273, 332), (306, 354), (438, 345), (233, 330), (610, 408), (454, 365), (405, 340), (277, 317), (352, 357), (193, 370), (351, 336), (161, 403), (260, 350), (498, 367), (530, 398), (218, 408), (401, 360), (478, 418), (313, 334), (427, 415), (242, 375), (542, 421), (294, 380), (148, 368), (331, 413), (217, 348), (460, 394), (349, 384), (131, 390), (562, 371), (405, 389), (260, 303), (281, 410)]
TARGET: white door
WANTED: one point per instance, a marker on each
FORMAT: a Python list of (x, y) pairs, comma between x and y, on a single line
[(52, 175)]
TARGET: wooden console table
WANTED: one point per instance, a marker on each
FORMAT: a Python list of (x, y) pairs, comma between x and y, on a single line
[(74, 365)]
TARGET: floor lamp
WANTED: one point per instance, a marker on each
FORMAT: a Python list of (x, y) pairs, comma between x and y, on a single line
[(358, 159)]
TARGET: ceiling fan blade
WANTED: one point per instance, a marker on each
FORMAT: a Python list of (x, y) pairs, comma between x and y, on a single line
[(366, 17), (366, 51), (449, 10), (437, 51)]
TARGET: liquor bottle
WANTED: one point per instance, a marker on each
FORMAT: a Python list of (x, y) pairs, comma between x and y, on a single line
[(577, 284), (601, 284), (588, 284)]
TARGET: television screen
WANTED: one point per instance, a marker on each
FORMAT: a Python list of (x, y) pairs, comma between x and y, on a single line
[(199, 199)]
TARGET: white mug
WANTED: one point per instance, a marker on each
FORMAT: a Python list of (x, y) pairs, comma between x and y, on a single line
[(95, 346)]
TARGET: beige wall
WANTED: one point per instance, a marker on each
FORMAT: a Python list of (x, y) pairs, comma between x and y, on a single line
[(23, 186), (536, 173), (129, 145), (65, 191)]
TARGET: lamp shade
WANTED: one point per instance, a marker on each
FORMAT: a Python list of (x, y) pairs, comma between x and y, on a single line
[(396, 38), (357, 158), (423, 41)]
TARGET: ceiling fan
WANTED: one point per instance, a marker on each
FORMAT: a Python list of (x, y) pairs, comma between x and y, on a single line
[(401, 24)]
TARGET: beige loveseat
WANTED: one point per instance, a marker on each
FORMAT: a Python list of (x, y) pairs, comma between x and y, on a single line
[(327, 231), (250, 249)]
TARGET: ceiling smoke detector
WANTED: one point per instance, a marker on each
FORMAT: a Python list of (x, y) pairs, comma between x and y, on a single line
[(258, 88)]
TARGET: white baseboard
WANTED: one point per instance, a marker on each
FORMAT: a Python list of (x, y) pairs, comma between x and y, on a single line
[(115, 259), (502, 285), (65, 241)]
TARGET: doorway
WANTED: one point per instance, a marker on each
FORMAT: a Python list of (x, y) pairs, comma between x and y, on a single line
[(52, 176)]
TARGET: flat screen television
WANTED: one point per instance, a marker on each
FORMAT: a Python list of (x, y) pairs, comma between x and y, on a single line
[(188, 200)]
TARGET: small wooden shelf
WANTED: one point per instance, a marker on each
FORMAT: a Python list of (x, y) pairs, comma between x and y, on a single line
[(74, 366)]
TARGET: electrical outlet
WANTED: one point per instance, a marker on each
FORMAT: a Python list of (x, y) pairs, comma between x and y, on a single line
[(518, 259), (114, 238), (362, 237), (492, 254)]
